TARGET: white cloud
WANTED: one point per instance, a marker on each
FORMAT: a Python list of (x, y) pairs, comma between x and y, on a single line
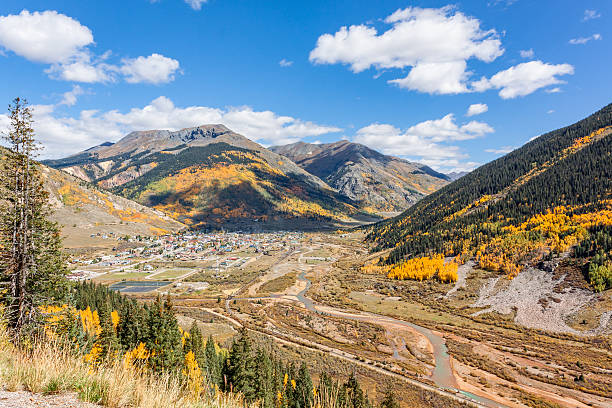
[(426, 142), (47, 37), (62, 42), (64, 135), (436, 77), (524, 79), (445, 129), (285, 63), (584, 40), (435, 43), (196, 4), (553, 90), (154, 69), (70, 97), (549, 112), (83, 69), (527, 53), (590, 15), (477, 109), (501, 150)]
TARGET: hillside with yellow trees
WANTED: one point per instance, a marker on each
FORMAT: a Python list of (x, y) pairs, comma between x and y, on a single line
[(550, 199), (210, 176), (83, 209), (220, 184)]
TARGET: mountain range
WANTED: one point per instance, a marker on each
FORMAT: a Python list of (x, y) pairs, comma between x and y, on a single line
[(379, 182), (210, 176)]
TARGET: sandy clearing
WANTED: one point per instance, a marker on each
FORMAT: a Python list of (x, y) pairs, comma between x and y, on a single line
[(462, 273), (524, 294)]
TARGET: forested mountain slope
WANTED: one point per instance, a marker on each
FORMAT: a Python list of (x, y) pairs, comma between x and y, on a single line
[(210, 176), (540, 200), (380, 183)]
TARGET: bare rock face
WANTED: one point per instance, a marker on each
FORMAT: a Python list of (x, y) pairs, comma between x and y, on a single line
[(382, 183)]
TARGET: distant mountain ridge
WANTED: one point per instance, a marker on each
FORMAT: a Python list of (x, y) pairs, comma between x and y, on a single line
[(380, 182), (211, 176)]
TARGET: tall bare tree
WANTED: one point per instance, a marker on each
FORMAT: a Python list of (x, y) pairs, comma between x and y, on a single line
[(31, 261)]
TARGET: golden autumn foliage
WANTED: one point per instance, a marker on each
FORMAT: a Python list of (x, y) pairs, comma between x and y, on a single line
[(114, 319), (199, 185), (193, 374), (89, 322), (425, 268), (476, 204), (448, 273), (559, 229), (73, 195), (137, 357)]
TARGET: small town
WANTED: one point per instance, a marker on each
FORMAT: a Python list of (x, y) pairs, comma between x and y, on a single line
[(143, 260)]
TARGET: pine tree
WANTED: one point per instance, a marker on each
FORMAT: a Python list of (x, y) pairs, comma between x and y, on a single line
[(195, 343), (264, 387), (31, 261), (132, 324), (214, 362), (242, 366), (352, 395), (164, 337), (111, 347)]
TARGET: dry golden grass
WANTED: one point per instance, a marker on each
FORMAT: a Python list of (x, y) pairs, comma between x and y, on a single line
[(48, 368)]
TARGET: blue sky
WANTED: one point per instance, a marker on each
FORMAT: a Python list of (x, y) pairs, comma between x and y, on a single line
[(399, 76)]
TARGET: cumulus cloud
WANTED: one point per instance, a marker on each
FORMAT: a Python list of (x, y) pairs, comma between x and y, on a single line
[(285, 63), (427, 142), (527, 53), (477, 109), (584, 40), (64, 135), (524, 79), (435, 43), (52, 38), (47, 37), (154, 69), (83, 68), (590, 15)]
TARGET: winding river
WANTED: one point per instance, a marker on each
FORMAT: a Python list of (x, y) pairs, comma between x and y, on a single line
[(442, 374)]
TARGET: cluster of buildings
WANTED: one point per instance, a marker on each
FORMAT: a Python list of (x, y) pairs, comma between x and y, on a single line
[(228, 249)]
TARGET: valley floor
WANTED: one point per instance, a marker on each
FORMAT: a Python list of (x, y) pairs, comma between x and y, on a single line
[(465, 342)]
